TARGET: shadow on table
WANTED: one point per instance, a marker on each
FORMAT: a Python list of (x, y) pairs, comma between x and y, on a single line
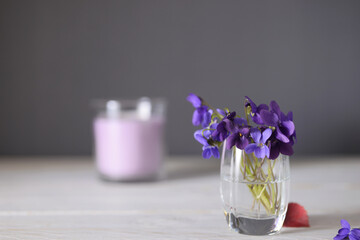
[(192, 169), (327, 221)]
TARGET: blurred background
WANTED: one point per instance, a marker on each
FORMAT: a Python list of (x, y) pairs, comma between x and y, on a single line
[(56, 56)]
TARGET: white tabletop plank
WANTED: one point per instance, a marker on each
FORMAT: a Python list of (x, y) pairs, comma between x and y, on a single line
[(62, 198)]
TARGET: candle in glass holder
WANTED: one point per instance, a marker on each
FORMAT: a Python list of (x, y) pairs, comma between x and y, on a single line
[(129, 139)]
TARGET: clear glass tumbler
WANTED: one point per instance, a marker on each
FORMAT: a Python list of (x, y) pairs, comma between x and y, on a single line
[(254, 192), (129, 139)]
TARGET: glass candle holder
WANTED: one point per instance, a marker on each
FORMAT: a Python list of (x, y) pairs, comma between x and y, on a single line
[(129, 139)]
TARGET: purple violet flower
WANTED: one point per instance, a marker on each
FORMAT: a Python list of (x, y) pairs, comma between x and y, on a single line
[(203, 136), (222, 112), (240, 134), (284, 136), (224, 127), (240, 138), (196, 101), (228, 124), (202, 114), (209, 151), (229, 121), (274, 132), (285, 127), (199, 136), (221, 132), (255, 110), (259, 147), (278, 147), (346, 233)]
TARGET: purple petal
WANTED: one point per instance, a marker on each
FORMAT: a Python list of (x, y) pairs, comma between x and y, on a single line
[(356, 231), (240, 121), (215, 134), (266, 134), (262, 107), (255, 134), (219, 132), (223, 136), (231, 140), (353, 237), (345, 224), (197, 118), (195, 100), (252, 104), (242, 142), (339, 237), (354, 234), (290, 127), (206, 152), (269, 118), (244, 130), (260, 152), (286, 149), (275, 108), (257, 119), (343, 231), (200, 138), (274, 151), (215, 152), (290, 116), (280, 136), (229, 125), (206, 133), (222, 112), (206, 119), (250, 148), (202, 110), (214, 125), (282, 117)]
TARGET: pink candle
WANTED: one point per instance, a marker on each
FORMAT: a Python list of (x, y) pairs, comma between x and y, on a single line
[(129, 142)]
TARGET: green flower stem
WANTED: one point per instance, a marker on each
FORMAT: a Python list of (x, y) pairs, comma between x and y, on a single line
[(271, 186), (260, 194), (265, 193)]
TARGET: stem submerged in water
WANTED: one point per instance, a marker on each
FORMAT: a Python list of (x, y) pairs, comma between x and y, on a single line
[(262, 184)]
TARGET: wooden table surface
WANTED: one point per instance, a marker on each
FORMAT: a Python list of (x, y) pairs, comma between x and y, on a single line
[(62, 198)]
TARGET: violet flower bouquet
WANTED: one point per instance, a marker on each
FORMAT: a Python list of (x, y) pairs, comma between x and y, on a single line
[(262, 133)]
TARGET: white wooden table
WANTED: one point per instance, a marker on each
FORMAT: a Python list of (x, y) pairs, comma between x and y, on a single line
[(62, 198)]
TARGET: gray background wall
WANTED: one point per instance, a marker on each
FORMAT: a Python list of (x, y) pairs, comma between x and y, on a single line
[(55, 56)]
